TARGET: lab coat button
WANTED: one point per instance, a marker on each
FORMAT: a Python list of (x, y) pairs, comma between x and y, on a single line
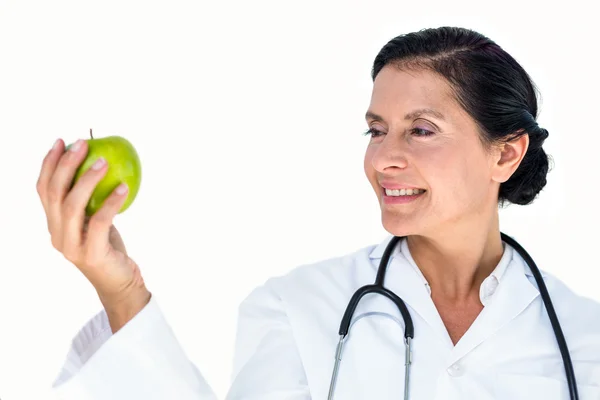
[(456, 370)]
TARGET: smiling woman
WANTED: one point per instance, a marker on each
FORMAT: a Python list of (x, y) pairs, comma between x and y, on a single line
[(439, 125), (453, 136)]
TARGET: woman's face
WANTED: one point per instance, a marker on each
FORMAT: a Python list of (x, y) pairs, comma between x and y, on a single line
[(421, 139)]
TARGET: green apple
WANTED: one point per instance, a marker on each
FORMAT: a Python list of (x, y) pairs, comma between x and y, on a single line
[(123, 166)]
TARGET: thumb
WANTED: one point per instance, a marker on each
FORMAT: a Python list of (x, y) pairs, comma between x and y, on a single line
[(115, 239), (100, 229)]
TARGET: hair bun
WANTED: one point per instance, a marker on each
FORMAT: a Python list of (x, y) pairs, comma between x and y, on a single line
[(541, 135), (529, 179)]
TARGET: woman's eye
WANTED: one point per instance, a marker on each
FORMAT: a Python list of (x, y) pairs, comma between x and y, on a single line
[(373, 132), (421, 132), (415, 131)]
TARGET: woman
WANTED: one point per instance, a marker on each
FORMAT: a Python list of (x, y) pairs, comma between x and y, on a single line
[(453, 134)]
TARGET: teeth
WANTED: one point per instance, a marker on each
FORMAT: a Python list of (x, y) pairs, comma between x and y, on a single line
[(403, 192)]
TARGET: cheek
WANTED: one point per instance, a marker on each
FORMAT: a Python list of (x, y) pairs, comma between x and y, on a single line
[(461, 183), (368, 164), (452, 179)]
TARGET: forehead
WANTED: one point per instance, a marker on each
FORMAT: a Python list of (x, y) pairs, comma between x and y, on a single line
[(398, 91)]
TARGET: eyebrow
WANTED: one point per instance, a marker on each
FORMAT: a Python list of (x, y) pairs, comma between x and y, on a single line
[(411, 115)]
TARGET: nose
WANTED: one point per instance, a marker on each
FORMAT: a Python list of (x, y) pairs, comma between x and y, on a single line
[(388, 154)]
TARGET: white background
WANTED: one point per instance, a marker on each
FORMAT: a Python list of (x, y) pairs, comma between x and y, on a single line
[(248, 116)]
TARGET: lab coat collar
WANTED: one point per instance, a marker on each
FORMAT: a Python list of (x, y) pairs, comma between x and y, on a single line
[(405, 281), (513, 294)]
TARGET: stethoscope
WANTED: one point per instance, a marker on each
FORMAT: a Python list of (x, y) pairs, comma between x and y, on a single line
[(409, 330)]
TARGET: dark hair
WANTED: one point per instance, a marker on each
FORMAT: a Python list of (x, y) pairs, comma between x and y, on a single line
[(490, 85)]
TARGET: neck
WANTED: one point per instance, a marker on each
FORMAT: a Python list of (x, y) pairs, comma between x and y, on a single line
[(456, 261)]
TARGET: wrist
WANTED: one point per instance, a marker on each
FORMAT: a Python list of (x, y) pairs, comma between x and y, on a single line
[(122, 309)]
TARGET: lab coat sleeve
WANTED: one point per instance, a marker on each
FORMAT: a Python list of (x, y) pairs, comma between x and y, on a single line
[(143, 360)]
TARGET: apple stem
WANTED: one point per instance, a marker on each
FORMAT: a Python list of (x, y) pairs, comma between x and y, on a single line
[(91, 133)]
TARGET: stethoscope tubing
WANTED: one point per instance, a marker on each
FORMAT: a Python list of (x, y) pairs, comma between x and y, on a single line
[(378, 288)]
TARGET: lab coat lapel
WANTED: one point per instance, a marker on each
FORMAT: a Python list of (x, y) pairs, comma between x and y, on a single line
[(513, 295), (402, 279)]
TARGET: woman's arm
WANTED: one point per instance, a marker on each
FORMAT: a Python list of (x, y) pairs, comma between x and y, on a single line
[(144, 360)]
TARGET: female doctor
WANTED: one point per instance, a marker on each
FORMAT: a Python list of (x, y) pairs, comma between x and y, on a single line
[(453, 135)]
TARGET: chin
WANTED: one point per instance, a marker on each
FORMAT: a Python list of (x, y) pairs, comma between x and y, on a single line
[(399, 225)]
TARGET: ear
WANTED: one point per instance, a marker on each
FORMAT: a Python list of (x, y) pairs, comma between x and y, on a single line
[(508, 158)]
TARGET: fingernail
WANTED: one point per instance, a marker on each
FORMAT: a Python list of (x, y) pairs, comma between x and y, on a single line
[(77, 145), (98, 164), (55, 145), (121, 189)]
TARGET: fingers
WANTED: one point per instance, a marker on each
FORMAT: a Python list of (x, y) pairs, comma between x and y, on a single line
[(100, 223), (73, 208), (61, 181), (83, 240), (47, 170)]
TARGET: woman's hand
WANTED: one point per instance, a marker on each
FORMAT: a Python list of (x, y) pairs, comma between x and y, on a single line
[(92, 244)]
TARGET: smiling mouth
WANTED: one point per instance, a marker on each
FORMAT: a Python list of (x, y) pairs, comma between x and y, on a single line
[(403, 192)]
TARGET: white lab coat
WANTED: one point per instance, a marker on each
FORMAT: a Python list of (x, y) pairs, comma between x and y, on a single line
[(288, 332)]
